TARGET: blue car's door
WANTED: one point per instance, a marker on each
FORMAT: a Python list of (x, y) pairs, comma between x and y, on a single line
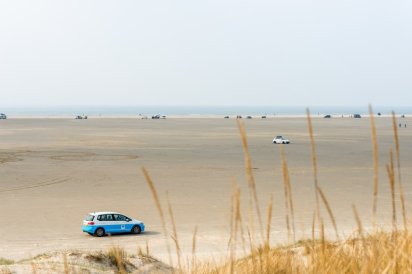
[(122, 223), (107, 222)]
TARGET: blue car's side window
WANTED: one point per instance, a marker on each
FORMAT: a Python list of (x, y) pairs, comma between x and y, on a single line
[(107, 222), (120, 218)]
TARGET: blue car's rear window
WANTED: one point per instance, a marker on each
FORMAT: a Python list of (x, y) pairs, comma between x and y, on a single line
[(89, 218)]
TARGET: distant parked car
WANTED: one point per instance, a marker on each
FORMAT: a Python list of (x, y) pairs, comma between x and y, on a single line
[(327, 116), (357, 116), (248, 117), (280, 140), (226, 117), (263, 117), (102, 223), (3, 116)]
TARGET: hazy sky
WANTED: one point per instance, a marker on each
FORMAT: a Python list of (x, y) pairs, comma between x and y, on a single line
[(211, 52)]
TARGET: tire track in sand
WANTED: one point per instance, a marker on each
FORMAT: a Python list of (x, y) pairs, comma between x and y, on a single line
[(48, 183)]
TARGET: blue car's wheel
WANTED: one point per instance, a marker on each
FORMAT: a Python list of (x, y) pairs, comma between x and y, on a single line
[(99, 232), (136, 229)]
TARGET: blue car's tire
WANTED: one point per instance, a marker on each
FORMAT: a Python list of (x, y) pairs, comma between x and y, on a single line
[(99, 232), (136, 229)]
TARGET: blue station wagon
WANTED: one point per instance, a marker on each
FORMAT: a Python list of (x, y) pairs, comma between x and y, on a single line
[(102, 223)]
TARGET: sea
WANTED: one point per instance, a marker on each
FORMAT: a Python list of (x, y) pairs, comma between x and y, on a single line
[(108, 111)]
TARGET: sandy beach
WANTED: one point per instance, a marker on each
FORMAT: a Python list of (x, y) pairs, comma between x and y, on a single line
[(55, 171)]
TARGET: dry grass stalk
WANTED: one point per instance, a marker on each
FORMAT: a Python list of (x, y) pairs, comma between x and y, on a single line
[(268, 221), (120, 258), (253, 198), (233, 224), (287, 210), (391, 176), (236, 226), (360, 226), (329, 209), (193, 264), (322, 237), (314, 161), (237, 219), (159, 209), (147, 248), (174, 235), (65, 264), (292, 211), (266, 247), (252, 251), (33, 267), (313, 226), (232, 212), (288, 196), (375, 164), (398, 163)]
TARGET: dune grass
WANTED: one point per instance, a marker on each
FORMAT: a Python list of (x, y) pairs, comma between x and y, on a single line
[(4, 261), (380, 252)]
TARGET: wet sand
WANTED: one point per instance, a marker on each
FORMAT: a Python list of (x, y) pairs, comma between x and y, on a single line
[(54, 171)]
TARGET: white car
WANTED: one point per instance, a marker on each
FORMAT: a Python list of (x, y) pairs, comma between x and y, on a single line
[(280, 140), (102, 223), (3, 116)]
